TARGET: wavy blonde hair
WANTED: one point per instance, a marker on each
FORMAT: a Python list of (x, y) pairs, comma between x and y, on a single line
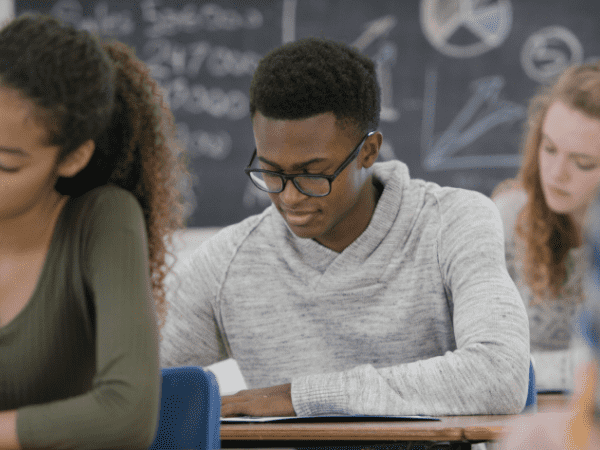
[(546, 235)]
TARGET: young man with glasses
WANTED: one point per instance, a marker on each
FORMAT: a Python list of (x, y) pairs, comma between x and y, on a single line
[(360, 290)]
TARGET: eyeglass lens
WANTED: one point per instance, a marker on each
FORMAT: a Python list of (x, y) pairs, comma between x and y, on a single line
[(307, 185)]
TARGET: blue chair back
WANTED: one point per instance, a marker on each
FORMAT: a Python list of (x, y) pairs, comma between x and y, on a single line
[(531, 401), (190, 410)]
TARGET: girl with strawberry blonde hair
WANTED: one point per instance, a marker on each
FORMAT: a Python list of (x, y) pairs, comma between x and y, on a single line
[(543, 211)]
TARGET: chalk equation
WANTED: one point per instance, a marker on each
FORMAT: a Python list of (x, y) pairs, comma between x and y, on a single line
[(191, 18), (212, 144), (117, 24), (166, 58), (197, 99)]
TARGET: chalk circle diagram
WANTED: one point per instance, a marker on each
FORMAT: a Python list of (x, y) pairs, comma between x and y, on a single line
[(487, 21), (549, 51)]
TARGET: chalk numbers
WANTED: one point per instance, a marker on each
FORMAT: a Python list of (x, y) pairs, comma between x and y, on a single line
[(174, 65), (166, 59)]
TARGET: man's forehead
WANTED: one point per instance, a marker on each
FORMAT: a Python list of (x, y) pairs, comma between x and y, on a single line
[(323, 128)]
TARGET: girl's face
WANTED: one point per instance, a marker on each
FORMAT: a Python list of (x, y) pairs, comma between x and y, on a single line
[(569, 160), (27, 166)]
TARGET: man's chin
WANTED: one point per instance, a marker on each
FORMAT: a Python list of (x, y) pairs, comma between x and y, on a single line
[(302, 232)]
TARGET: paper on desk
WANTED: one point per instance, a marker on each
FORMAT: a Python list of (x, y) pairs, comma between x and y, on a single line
[(324, 418)]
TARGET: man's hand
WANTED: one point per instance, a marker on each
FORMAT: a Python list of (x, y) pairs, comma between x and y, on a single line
[(271, 401)]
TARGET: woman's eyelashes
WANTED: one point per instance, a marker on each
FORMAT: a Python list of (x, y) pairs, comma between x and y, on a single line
[(585, 165), (9, 169), (579, 163), (550, 149)]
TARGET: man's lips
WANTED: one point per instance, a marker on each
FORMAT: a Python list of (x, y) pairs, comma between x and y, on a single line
[(298, 217)]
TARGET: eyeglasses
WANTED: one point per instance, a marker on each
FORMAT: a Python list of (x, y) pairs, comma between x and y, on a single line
[(313, 185)]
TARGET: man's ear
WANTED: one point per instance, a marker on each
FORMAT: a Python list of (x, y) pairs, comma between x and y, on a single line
[(371, 148), (77, 160)]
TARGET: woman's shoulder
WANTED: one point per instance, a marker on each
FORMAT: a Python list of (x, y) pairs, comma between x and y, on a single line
[(510, 197), (110, 200), (510, 188), (103, 210)]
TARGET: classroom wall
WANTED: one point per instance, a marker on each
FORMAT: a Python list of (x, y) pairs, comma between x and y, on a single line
[(7, 10), (455, 81)]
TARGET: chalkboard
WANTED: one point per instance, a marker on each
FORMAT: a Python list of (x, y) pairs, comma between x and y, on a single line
[(455, 76)]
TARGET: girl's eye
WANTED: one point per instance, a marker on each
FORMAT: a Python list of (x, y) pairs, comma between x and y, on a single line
[(9, 169), (587, 166), (549, 149)]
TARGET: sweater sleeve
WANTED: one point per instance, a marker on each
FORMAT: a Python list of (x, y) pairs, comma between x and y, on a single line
[(191, 334), (488, 371), (121, 410)]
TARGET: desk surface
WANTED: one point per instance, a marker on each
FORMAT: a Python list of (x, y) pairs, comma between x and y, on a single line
[(453, 428), (355, 431), (487, 428)]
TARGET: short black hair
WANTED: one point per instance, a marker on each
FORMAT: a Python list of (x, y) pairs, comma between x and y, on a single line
[(313, 76)]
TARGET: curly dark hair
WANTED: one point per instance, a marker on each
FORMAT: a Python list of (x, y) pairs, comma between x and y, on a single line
[(313, 76), (87, 89)]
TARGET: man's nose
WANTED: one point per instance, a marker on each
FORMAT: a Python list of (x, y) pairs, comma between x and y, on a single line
[(290, 194)]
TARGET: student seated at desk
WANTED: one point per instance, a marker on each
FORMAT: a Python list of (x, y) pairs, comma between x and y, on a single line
[(576, 427), (543, 210), (86, 198), (359, 290)]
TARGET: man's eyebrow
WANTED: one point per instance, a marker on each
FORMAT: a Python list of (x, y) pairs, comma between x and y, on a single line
[(14, 151), (298, 166), (571, 154)]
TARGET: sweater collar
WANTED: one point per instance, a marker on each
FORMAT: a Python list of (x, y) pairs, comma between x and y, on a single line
[(394, 176)]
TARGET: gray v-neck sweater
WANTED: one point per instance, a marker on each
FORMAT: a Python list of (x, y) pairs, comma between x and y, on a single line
[(417, 316)]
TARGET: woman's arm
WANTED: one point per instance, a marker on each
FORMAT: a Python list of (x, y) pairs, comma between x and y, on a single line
[(120, 410), (8, 431)]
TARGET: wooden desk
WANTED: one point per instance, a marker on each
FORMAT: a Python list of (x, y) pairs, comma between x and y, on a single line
[(552, 402), (454, 428), (322, 434), (291, 435), (489, 428)]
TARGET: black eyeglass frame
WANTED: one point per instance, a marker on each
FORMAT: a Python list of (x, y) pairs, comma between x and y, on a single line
[(285, 177)]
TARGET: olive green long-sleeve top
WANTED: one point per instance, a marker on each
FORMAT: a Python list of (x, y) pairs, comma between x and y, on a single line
[(80, 361)]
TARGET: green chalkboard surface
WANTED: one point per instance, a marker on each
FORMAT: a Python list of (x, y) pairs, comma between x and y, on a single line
[(455, 76)]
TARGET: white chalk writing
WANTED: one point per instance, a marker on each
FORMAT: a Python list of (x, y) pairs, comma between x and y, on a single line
[(197, 99), (166, 59), (549, 51), (103, 22), (191, 18), (215, 145), (464, 130)]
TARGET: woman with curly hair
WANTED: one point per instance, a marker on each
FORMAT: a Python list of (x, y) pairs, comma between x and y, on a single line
[(543, 211), (88, 202)]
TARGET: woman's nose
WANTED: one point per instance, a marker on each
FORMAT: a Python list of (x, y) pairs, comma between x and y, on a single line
[(560, 169)]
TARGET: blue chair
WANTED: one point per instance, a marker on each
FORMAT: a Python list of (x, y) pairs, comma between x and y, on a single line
[(190, 410), (531, 401)]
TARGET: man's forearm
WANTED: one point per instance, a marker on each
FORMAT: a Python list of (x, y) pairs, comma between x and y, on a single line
[(8, 431)]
